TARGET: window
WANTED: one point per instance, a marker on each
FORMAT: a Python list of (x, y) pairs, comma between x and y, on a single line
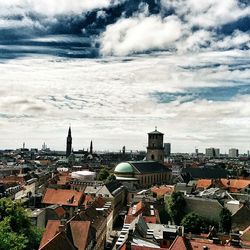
[(152, 157)]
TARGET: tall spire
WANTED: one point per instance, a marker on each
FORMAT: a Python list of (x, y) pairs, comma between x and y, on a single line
[(69, 132), (91, 147), (69, 143)]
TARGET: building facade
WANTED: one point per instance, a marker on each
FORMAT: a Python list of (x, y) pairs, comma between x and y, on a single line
[(233, 153)]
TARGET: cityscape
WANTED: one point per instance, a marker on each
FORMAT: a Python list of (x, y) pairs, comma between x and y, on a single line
[(130, 199), (124, 125)]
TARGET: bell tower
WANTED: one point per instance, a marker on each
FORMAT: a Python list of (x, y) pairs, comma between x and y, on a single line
[(69, 143), (155, 148)]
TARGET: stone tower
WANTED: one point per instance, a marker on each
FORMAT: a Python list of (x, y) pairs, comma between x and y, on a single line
[(155, 148), (69, 143)]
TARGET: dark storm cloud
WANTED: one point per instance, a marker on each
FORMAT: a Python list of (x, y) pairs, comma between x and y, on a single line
[(96, 23)]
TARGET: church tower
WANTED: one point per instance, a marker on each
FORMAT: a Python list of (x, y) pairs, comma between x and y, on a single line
[(69, 143), (155, 148)]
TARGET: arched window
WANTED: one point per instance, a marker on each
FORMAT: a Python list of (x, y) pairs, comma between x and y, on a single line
[(152, 157)]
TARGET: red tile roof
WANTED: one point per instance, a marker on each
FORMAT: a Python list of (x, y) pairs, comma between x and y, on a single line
[(138, 209), (50, 231), (62, 197), (161, 191), (60, 211), (59, 242), (178, 244), (80, 233), (234, 184), (129, 219), (204, 183), (88, 200), (198, 244)]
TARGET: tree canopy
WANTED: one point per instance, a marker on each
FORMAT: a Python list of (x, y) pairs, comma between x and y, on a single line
[(195, 224), (103, 174), (225, 220), (175, 207), (16, 231)]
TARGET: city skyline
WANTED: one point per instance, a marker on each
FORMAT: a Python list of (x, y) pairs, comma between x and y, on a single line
[(96, 148), (116, 69)]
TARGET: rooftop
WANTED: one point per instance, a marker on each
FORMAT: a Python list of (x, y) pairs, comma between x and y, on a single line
[(62, 197)]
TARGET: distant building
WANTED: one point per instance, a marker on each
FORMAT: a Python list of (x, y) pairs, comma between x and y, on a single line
[(69, 143), (233, 153), (213, 152), (196, 151), (167, 149), (155, 149)]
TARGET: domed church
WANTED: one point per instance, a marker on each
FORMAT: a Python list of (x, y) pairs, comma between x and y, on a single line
[(149, 172)]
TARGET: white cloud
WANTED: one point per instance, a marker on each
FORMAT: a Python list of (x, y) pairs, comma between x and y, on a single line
[(53, 7), (210, 13), (110, 101), (139, 34)]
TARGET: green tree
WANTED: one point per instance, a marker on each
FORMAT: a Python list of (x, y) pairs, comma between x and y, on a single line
[(175, 207), (16, 227), (225, 220), (103, 174), (194, 223), (9, 239), (164, 216), (110, 178)]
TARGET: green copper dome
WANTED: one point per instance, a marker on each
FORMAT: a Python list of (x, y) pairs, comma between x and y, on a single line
[(124, 167)]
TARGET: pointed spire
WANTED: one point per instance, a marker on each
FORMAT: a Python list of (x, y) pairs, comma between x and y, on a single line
[(155, 128), (91, 147), (69, 132), (69, 143)]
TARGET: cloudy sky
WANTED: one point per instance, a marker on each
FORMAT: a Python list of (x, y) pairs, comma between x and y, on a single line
[(115, 69)]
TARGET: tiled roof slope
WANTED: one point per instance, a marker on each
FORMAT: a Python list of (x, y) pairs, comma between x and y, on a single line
[(50, 232), (79, 231), (204, 183), (62, 197), (149, 166)]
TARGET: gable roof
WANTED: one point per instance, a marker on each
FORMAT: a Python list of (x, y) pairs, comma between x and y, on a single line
[(178, 244), (59, 242), (80, 233), (201, 206), (75, 235), (205, 173), (62, 197), (50, 231), (149, 167)]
